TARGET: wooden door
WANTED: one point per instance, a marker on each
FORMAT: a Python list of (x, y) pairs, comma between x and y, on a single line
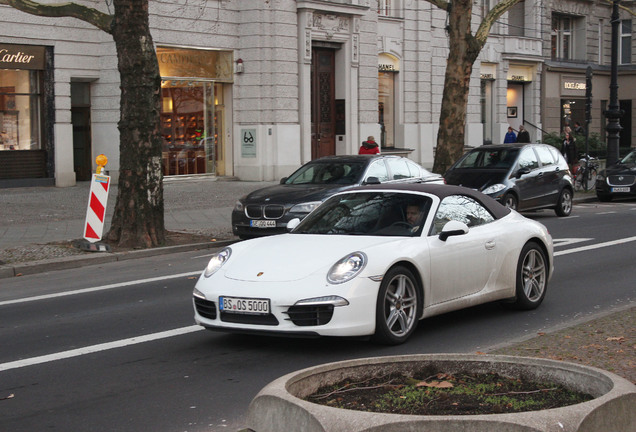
[(323, 105)]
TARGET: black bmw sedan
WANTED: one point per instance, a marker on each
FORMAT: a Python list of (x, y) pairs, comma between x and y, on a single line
[(618, 180), (266, 211)]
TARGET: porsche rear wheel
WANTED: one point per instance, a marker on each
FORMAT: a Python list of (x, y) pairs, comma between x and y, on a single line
[(532, 277), (397, 306)]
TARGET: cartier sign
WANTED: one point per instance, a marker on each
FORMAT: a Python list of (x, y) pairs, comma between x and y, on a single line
[(21, 57)]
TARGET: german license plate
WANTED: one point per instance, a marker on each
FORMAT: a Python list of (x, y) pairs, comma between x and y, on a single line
[(620, 189), (244, 305), (263, 223)]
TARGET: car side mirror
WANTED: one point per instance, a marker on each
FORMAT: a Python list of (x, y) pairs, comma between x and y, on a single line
[(522, 171), (293, 224), (371, 180), (453, 228), (283, 180)]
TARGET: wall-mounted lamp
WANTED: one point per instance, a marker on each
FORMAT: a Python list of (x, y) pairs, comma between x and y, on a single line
[(239, 66)]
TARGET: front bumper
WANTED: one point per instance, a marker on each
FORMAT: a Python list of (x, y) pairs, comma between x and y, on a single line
[(355, 319)]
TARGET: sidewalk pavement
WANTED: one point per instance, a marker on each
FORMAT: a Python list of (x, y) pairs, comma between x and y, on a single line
[(33, 218)]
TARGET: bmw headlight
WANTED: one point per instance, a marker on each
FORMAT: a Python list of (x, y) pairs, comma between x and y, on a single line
[(600, 176), (347, 268), (494, 189), (239, 206), (217, 260), (305, 207)]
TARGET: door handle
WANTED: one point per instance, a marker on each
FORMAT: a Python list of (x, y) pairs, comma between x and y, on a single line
[(490, 245)]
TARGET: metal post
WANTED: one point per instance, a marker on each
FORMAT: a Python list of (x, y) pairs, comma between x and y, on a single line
[(614, 112)]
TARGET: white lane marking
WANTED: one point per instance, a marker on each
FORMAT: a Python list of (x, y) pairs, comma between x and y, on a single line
[(97, 348), (184, 330), (568, 241), (595, 246), (98, 288)]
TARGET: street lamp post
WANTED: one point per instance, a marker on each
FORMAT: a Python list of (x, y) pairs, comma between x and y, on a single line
[(614, 112)]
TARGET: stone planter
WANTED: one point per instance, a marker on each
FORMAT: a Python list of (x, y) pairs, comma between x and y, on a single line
[(279, 405)]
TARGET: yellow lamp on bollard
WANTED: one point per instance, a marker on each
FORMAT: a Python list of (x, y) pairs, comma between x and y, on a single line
[(101, 161)]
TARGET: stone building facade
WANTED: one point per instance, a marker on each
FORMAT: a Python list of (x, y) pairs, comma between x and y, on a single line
[(253, 89), (578, 35)]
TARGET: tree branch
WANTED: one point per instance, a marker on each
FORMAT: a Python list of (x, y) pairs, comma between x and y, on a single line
[(490, 19), (442, 4), (92, 16)]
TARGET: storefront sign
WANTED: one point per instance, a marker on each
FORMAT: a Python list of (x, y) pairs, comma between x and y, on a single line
[(21, 57), (248, 143), (488, 71), (572, 86), (519, 74), (388, 63), (194, 63)]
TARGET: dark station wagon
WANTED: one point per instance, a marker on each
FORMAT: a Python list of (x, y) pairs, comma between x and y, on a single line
[(520, 176)]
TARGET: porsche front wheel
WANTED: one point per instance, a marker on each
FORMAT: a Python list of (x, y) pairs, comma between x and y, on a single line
[(397, 306)]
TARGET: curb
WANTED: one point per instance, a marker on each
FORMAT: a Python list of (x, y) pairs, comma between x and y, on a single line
[(42, 266)]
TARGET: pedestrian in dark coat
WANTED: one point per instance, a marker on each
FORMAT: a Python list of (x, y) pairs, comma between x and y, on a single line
[(524, 136), (568, 149)]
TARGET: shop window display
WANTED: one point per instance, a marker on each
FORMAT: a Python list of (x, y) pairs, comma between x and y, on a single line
[(19, 110), (189, 125)]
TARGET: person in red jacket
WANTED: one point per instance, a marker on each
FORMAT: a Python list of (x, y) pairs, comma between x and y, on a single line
[(369, 146)]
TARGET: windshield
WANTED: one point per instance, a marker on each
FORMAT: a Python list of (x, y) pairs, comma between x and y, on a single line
[(327, 172), (630, 158), (489, 158), (369, 213)]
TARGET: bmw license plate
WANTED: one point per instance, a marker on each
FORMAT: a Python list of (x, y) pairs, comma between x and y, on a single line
[(263, 223), (620, 189), (244, 305)]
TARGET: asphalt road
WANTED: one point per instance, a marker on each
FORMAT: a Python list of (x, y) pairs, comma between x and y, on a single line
[(114, 348)]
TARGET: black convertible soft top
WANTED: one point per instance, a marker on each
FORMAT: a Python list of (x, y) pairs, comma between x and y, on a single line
[(442, 191)]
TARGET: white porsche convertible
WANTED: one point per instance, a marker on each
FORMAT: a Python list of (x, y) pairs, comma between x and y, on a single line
[(374, 260)]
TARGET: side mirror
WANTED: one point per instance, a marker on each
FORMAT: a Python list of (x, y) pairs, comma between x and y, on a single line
[(283, 180), (371, 180), (522, 171), (453, 228), (293, 224)]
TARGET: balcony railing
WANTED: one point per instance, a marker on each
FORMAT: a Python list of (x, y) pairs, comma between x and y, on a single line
[(523, 46)]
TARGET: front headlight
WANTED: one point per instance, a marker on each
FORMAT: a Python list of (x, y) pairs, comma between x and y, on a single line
[(600, 176), (347, 268), (494, 188), (217, 260), (239, 206), (305, 207)]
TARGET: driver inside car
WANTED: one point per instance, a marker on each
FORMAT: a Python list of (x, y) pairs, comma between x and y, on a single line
[(414, 214)]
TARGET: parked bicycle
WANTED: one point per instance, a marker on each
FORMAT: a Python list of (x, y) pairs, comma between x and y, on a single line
[(585, 177)]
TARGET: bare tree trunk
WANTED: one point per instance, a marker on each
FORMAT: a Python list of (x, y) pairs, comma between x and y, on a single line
[(463, 51), (138, 217)]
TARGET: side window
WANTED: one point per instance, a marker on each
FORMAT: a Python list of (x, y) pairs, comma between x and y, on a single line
[(462, 209), (528, 159), (545, 155), (378, 169), (414, 169), (399, 169)]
